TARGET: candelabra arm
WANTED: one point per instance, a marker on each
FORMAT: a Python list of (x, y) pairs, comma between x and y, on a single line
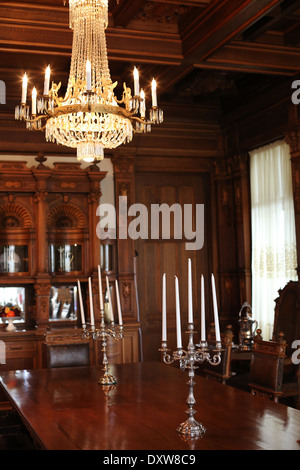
[(103, 333)]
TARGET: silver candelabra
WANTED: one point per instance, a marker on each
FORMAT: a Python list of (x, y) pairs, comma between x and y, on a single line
[(187, 360), (103, 333), (194, 354)]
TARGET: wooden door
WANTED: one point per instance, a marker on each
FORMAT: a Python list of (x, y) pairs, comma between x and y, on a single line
[(158, 256)]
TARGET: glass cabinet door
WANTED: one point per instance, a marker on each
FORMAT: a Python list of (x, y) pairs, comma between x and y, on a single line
[(14, 259), (63, 303), (65, 258)]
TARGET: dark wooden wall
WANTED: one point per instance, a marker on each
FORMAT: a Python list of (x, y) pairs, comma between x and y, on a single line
[(213, 171), (156, 257)]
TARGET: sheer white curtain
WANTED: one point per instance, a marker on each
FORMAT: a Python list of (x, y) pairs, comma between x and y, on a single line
[(273, 229)]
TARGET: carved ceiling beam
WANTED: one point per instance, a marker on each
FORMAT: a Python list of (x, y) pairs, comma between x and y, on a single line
[(220, 23), (254, 57)]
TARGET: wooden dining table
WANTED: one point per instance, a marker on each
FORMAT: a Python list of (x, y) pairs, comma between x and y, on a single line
[(67, 409)]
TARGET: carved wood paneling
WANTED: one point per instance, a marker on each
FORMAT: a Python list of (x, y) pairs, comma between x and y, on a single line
[(158, 256)]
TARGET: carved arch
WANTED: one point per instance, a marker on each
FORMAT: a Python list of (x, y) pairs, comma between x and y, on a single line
[(14, 215), (65, 216)]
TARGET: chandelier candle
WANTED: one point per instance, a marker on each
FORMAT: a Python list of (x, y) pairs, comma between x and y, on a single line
[(34, 95), (90, 117), (24, 89), (192, 355), (105, 331), (47, 81), (136, 82), (154, 94)]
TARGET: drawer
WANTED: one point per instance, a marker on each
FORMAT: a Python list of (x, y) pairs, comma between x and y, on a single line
[(12, 347)]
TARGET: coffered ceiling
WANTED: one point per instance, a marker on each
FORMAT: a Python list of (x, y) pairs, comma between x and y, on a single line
[(196, 49)]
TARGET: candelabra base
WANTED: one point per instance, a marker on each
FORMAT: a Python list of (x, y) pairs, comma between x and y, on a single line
[(191, 428), (107, 379)]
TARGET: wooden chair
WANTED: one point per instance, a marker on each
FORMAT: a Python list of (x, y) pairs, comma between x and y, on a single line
[(68, 355), (272, 372), (287, 315), (221, 372)]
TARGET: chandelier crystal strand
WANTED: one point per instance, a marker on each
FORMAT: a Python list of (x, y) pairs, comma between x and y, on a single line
[(90, 118)]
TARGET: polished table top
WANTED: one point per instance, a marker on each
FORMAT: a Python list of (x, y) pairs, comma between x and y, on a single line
[(66, 409)]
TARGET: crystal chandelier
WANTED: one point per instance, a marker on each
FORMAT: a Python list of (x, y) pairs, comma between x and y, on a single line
[(89, 117)]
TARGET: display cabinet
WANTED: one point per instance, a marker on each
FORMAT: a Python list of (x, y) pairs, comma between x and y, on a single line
[(48, 241)]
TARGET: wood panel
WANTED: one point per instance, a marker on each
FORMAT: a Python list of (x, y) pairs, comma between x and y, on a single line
[(158, 256)]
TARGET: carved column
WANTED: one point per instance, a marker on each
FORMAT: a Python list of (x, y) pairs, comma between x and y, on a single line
[(242, 208), (293, 139), (94, 200), (233, 235), (40, 199), (42, 288), (225, 245), (125, 189), (42, 284)]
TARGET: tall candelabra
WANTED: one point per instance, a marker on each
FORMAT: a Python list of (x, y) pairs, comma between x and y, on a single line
[(193, 354), (105, 331)]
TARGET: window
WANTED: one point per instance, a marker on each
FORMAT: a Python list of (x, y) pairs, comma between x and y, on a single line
[(273, 230)]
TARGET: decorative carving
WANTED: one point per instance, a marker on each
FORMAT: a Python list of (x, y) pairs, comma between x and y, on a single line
[(126, 290), (296, 183), (66, 184), (238, 202), (62, 216), (225, 204), (41, 159), (123, 164), (10, 222), (12, 184), (168, 14), (40, 196), (293, 140), (123, 189), (14, 215), (43, 289), (94, 197)]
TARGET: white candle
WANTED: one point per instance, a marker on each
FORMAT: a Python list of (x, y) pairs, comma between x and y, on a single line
[(81, 303), (34, 95), (24, 89), (136, 82), (143, 103), (91, 303), (118, 304), (178, 322), (47, 81), (109, 301), (215, 305), (190, 296), (100, 288), (154, 94), (164, 310), (203, 332), (88, 76)]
